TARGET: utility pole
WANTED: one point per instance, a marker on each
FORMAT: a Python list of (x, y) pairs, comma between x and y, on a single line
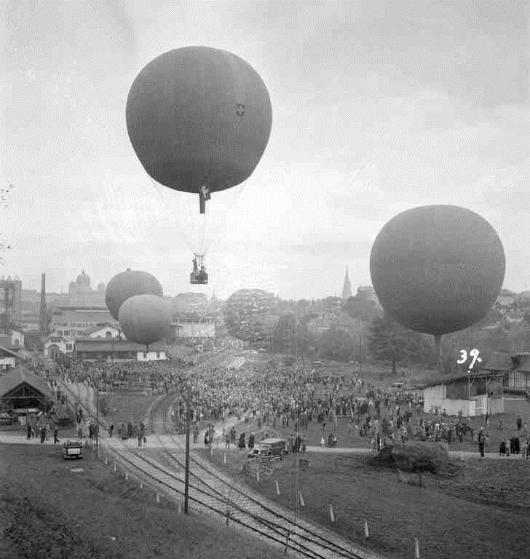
[(187, 466), (43, 322), (394, 356), (97, 417), (361, 354)]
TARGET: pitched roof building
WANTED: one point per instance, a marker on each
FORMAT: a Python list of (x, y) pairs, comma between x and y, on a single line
[(21, 390), (471, 394), (8, 358), (102, 349)]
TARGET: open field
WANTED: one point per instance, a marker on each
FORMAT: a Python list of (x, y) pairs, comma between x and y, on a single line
[(124, 406), (48, 511), (481, 509)]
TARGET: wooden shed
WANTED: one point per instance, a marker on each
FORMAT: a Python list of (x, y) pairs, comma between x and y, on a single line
[(470, 394), (21, 390)]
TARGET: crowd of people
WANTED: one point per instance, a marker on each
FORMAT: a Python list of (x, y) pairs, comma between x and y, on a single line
[(146, 376), (279, 399)]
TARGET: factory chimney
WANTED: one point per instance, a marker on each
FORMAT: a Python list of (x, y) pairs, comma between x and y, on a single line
[(43, 319)]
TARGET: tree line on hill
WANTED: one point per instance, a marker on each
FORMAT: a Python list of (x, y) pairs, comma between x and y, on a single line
[(361, 332)]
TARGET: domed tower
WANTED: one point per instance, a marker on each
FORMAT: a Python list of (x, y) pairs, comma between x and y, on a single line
[(83, 283)]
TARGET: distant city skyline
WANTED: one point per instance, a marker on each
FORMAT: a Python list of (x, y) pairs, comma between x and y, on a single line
[(209, 291), (378, 107), (65, 288)]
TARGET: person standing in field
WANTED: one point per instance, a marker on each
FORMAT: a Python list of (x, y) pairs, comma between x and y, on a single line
[(481, 439)]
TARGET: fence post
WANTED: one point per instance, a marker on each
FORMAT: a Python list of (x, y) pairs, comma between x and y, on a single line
[(302, 502), (366, 533), (277, 488), (331, 515), (416, 549)]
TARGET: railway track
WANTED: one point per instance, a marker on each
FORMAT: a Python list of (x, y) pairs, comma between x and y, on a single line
[(300, 536), (215, 493)]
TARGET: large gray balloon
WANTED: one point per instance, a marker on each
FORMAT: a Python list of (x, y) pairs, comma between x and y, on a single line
[(198, 116), (437, 269), (145, 319), (251, 314), (128, 284)]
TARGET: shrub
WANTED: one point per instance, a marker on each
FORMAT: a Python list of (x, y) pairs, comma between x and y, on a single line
[(417, 458)]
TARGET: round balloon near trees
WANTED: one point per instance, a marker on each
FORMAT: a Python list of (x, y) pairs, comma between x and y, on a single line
[(437, 269), (198, 117), (145, 319), (128, 284), (251, 315)]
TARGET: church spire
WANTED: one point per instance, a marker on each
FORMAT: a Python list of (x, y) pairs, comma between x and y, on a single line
[(346, 288)]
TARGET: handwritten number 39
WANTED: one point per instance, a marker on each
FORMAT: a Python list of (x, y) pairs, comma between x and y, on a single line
[(474, 353)]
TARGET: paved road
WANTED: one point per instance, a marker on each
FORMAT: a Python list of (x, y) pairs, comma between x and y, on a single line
[(167, 441)]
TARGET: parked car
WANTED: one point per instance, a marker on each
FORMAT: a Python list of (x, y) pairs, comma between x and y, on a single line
[(73, 448), (269, 449)]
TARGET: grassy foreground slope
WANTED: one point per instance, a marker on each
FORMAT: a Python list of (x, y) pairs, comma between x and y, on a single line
[(48, 511), (480, 510)]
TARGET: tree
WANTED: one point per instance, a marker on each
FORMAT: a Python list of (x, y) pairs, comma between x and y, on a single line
[(389, 341), (361, 309), (337, 345), (283, 336), (291, 335)]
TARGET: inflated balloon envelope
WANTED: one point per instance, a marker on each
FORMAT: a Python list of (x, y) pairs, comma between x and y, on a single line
[(145, 319), (437, 269), (128, 284), (198, 118), (251, 314)]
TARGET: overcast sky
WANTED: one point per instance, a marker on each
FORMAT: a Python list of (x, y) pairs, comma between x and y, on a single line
[(377, 107)]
